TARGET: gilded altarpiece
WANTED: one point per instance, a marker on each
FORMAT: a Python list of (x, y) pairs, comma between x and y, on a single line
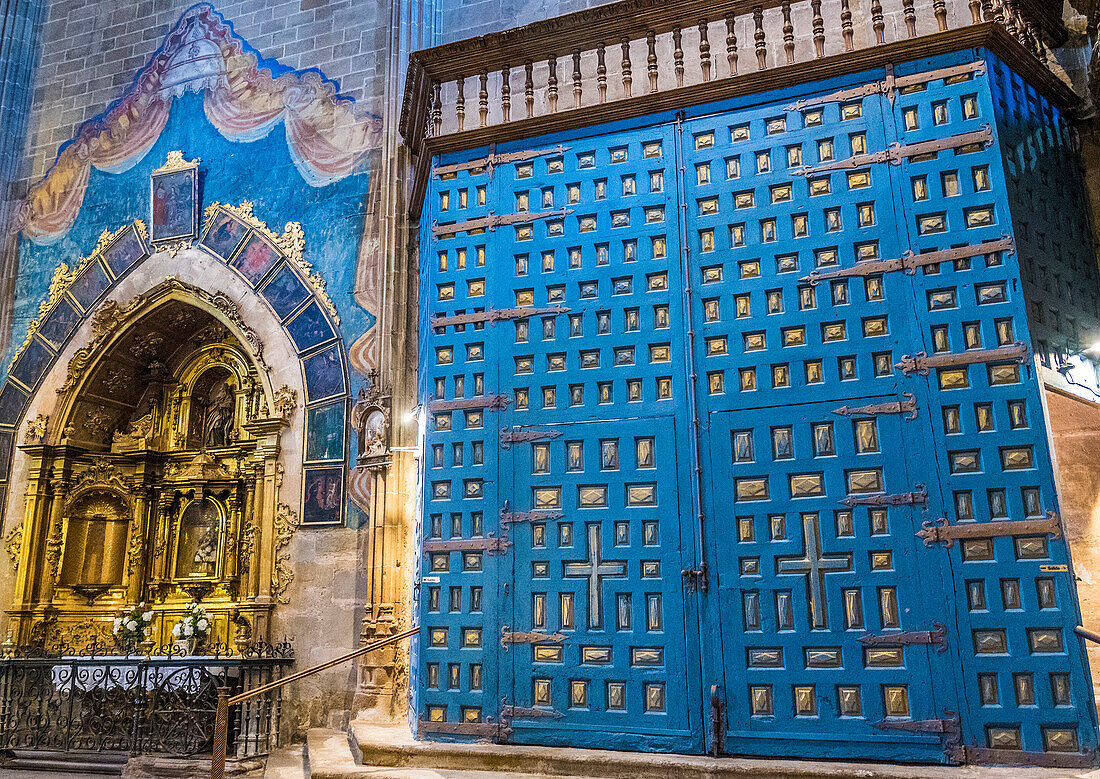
[(159, 482)]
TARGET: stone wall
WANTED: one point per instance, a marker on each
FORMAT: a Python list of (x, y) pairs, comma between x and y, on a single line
[(91, 49)]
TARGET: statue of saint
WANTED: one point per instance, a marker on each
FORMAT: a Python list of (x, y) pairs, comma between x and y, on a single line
[(218, 425)]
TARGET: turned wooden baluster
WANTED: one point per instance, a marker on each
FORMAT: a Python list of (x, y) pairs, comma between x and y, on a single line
[(987, 10), (998, 12), (506, 93), (483, 98), (910, 17), (704, 49), (577, 78), (846, 25), (761, 38), (651, 60), (460, 102), (788, 32), (819, 28), (939, 8), (529, 87), (437, 107), (552, 83), (678, 56), (627, 78), (975, 11), (731, 43), (878, 24), (601, 72)]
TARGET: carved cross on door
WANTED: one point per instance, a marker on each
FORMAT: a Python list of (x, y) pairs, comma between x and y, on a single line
[(814, 565), (595, 570)]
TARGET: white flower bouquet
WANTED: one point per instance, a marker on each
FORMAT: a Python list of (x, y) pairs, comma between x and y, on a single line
[(133, 626), (194, 628)]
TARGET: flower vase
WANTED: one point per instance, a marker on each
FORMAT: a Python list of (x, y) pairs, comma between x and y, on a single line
[(187, 646)]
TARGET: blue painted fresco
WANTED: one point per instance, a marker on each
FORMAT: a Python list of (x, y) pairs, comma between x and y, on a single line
[(725, 289)]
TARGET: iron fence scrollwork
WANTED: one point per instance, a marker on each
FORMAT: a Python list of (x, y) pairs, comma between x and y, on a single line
[(61, 698)]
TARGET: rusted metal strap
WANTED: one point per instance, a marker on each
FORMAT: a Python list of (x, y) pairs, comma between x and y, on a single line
[(508, 637), (909, 262), (494, 159), (918, 497), (494, 315), (922, 362), (488, 402), (509, 712), (889, 85), (907, 407), (514, 517), (940, 532), (509, 437), (949, 728), (493, 221), (895, 153), (488, 545), (936, 637), (493, 731)]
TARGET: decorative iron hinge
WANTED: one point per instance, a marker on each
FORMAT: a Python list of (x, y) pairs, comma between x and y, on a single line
[(489, 730), (695, 578), (919, 497), (495, 159), (487, 402), (889, 85), (508, 712), (907, 407), (936, 637), (909, 261), (896, 152), (493, 315), (493, 221), (508, 637), (940, 532), (513, 517), (489, 545), (949, 728), (509, 437), (921, 362)]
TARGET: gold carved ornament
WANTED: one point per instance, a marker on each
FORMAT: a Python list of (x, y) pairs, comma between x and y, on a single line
[(14, 545), (291, 244), (286, 522), (36, 429), (64, 276)]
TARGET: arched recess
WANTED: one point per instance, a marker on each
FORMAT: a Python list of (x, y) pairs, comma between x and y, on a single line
[(258, 311)]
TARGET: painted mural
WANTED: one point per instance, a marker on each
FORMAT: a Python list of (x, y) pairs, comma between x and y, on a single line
[(197, 128)]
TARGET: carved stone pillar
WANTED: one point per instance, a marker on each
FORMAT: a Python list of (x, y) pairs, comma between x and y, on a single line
[(265, 505)]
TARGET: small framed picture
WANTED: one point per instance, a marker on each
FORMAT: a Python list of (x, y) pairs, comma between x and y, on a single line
[(174, 199)]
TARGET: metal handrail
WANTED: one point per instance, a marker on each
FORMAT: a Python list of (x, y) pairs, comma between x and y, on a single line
[(1087, 634), (221, 719)]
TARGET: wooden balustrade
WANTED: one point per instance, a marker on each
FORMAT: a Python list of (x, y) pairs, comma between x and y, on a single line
[(673, 39)]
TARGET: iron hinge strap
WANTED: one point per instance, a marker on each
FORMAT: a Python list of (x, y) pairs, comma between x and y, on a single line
[(907, 407), (509, 437), (910, 261), (489, 545), (940, 532), (492, 731), (493, 159), (488, 402), (509, 637), (508, 712), (889, 85), (896, 152), (918, 497), (949, 728), (508, 517), (936, 637), (493, 221), (922, 362), (494, 315)]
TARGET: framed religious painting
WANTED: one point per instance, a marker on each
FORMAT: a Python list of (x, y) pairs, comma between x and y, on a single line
[(174, 200)]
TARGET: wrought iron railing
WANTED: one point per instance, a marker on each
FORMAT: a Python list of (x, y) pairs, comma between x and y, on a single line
[(161, 703)]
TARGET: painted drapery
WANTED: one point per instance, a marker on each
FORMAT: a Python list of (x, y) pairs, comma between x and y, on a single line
[(245, 98)]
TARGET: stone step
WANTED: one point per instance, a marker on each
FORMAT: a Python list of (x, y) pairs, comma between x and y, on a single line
[(330, 755), (68, 763), (395, 747)]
